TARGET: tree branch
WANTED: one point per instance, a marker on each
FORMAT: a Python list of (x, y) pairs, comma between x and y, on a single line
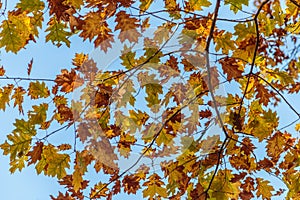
[(254, 54)]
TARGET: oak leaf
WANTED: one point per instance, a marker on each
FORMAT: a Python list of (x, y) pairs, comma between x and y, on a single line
[(232, 68), (264, 189), (57, 33), (96, 26), (128, 27), (35, 154), (38, 90)]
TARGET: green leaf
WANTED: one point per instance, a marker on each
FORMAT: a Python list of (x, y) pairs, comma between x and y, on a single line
[(244, 30), (31, 5), (224, 42), (15, 32), (38, 90), (198, 4), (18, 144), (236, 5), (39, 114), (57, 33)]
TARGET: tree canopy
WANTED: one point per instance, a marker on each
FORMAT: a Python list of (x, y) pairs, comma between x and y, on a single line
[(179, 99)]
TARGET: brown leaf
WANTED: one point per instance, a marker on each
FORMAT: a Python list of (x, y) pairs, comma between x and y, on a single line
[(64, 147), (35, 154), (231, 68), (131, 184), (263, 94), (58, 8), (29, 67), (102, 96), (128, 27)]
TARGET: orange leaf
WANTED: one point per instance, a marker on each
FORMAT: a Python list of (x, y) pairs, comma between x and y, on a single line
[(68, 80), (64, 147), (96, 26), (2, 71), (127, 26)]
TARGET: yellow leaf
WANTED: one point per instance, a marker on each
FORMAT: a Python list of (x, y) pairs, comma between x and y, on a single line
[(55, 163), (154, 187), (5, 96), (198, 4), (77, 179), (79, 59), (145, 4), (18, 97), (297, 127), (264, 189)]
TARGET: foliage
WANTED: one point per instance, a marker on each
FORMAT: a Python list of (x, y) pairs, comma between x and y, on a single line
[(160, 104)]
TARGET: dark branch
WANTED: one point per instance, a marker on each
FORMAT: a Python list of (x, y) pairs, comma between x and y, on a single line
[(255, 52)]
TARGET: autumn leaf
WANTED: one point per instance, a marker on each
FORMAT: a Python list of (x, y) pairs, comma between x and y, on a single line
[(232, 68), (38, 90), (197, 5), (5, 96), (145, 4), (128, 27), (62, 196), (53, 163), (68, 81), (2, 71), (264, 189), (15, 32), (35, 154), (79, 59), (29, 67), (131, 184), (223, 41), (57, 33), (39, 113), (18, 96), (263, 94), (31, 5), (154, 187), (64, 147), (236, 5), (96, 26)]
